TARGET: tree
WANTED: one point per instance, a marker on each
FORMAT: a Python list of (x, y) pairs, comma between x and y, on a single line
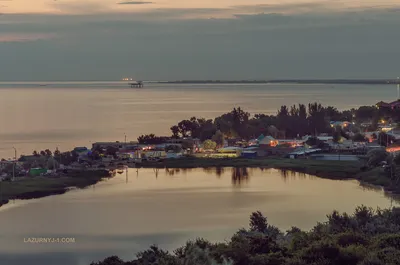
[(376, 156), (366, 237), (218, 138), (35, 153), (316, 118), (42, 153), (175, 131), (258, 222), (364, 113), (48, 152), (333, 114), (210, 145), (151, 139), (57, 152)]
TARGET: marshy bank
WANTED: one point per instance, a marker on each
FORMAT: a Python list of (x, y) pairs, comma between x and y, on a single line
[(38, 187)]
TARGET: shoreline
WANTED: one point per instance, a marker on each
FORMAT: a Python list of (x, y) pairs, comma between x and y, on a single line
[(290, 81), (40, 187), (334, 170)]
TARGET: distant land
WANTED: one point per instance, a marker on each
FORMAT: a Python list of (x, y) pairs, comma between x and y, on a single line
[(291, 81)]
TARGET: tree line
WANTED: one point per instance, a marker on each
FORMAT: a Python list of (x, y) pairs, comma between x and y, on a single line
[(367, 237), (289, 122)]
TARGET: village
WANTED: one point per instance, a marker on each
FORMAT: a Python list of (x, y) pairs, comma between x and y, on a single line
[(120, 155)]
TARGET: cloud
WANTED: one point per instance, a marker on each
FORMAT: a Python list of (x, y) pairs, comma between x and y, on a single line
[(164, 44), (135, 3), (79, 7)]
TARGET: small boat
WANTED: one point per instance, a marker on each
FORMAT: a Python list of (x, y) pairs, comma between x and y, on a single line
[(137, 84)]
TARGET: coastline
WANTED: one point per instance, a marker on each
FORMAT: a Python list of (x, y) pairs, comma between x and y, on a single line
[(290, 81)]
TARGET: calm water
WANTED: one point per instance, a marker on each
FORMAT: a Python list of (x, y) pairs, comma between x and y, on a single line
[(131, 211), (66, 115)]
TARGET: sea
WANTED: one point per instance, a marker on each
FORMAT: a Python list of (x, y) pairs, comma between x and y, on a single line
[(138, 208), (64, 115)]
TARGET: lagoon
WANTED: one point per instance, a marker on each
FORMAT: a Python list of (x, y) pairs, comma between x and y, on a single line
[(134, 209)]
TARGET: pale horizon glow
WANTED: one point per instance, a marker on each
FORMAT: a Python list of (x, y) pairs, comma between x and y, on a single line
[(110, 6)]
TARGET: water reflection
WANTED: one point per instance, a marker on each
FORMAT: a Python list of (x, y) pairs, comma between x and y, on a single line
[(176, 171), (240, 176), (289, 174)]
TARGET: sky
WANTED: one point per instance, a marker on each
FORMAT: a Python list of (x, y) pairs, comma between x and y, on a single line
[(65, 40)]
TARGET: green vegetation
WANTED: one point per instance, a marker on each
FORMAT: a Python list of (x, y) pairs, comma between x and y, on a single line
[(209, 145), (29, 188), (289, 122), (367, 237)]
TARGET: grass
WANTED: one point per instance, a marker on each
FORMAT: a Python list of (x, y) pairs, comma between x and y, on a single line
[(37, 187)]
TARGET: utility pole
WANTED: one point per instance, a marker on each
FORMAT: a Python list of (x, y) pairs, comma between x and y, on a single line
[(14, 163), (125, 137), (398, 88), (15, 153)]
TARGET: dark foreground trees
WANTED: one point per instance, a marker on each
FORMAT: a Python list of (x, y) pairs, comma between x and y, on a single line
[(367, 237)]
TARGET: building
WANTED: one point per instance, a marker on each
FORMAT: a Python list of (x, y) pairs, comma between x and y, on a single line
[(268, 140), (118, 145), (186, 141), (342, 124), (321, 138)]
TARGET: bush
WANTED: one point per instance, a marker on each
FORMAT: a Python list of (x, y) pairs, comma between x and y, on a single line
[(209, 145), (358, 239)]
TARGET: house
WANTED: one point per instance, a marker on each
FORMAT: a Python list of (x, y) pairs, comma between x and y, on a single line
[(321, 138), (185, 141), (118, 145), (342, 124), (275, 150), (249, 154), (268, 140), (154, 154)]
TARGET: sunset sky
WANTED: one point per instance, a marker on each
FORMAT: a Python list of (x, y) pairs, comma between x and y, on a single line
[(181, 39)]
